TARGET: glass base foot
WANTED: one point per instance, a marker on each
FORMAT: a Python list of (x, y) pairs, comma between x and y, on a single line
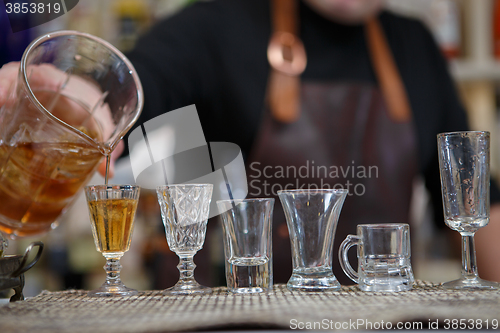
[(387, 287), (193, 288), (249, 290), (112, 291), (471, 283), (308, 283)]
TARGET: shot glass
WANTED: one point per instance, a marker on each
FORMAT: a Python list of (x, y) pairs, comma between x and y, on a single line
[(383, 257), (247, 244), (312, 217)]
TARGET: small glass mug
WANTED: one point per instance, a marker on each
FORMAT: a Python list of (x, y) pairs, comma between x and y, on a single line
[(383, 257)]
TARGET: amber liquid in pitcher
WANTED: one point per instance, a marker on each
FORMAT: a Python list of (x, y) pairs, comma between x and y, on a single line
[(112, 224), (39, 180)]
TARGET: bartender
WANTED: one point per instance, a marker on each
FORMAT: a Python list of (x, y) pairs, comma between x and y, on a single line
[(356, 102), (317, 93)]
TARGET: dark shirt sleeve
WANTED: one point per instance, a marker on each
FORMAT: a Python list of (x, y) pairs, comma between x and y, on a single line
[(212, 54), (173, 61)]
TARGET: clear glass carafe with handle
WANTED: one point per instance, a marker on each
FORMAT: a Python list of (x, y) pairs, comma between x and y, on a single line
[(75, 98)]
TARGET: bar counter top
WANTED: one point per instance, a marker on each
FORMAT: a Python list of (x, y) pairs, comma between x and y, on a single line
[(426, 306)]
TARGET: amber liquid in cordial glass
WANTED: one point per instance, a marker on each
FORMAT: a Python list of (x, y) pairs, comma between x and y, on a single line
[(112, 224)]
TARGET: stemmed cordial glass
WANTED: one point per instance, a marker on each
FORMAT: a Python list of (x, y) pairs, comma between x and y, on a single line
[(112, 211), (464, 164), (184, 210)]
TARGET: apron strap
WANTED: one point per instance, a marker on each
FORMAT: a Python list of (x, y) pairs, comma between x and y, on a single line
[(387, 73), (287, 57)]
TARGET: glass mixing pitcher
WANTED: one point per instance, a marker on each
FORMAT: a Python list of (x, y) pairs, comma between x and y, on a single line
[(75, 98)]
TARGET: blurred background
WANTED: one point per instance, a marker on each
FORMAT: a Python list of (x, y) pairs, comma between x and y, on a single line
[(468, 32)]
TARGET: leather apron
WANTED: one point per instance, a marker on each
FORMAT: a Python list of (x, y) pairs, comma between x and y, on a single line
[(344, 135)]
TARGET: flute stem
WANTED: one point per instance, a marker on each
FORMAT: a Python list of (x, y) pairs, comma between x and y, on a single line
[(469, 263)]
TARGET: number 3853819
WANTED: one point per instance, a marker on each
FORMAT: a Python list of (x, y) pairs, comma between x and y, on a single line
[(32, 8)]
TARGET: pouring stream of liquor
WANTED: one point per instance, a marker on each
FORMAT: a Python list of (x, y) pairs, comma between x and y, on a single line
[(108, 159)]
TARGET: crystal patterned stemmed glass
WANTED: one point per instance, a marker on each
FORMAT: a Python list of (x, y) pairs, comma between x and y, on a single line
[(464, 164), (112, 211), (184, 210)]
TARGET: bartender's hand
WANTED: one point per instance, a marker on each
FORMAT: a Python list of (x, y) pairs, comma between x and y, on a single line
[(49, 77), (488, 247), (8, 77)]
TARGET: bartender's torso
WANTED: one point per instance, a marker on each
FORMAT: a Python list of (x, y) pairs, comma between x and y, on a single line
[(343, 125)]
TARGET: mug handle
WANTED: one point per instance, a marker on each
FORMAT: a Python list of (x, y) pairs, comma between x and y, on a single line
[(349, 241)]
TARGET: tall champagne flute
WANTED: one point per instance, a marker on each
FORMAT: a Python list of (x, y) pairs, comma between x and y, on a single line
[(464, 164), (184, 210), (112, 211)]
